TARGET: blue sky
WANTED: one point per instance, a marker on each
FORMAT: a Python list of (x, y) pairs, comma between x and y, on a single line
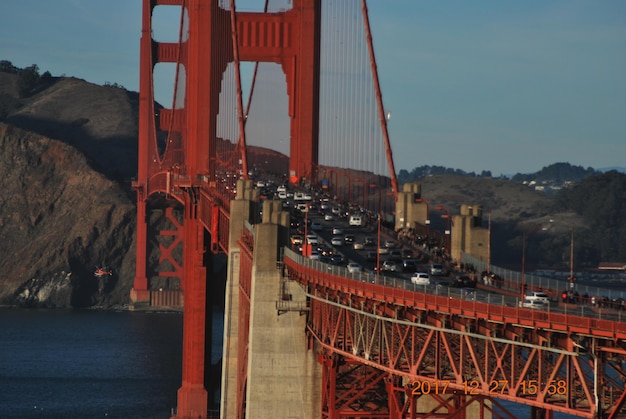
[(506, 86)]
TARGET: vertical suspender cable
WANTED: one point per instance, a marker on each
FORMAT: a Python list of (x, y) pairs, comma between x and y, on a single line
[(241, 143)]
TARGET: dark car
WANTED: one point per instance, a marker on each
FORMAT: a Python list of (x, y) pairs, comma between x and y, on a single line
[(336, 259), (409, 265), (463, 281)]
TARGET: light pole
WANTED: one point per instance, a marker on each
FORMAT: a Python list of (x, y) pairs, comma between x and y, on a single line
[(522, 290), (305, 240), (525, 234), (489, 245), (380, 198)]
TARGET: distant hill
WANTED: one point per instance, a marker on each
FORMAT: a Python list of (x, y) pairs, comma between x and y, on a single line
[(616, 168), (549, 179)]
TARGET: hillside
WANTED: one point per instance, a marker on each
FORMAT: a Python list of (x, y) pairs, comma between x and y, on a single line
[(68, 150), (101, 122), (503, 199), (58, 219)]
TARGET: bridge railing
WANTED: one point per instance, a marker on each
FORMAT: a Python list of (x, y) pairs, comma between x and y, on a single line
[(512, 280), (402, 288)]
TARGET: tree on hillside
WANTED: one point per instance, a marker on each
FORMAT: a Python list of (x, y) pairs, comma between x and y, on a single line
[(8, 67), (601, 201), (30, 82), (557, 172)]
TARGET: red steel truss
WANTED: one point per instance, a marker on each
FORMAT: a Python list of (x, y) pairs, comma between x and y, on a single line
[(458, 353)]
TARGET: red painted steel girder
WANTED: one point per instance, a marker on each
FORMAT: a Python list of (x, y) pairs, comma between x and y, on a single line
[(461, 349)]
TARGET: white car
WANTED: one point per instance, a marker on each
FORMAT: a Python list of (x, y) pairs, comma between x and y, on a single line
[(420, 278), (354, 267), (312, 239), (329, 217), (337, 230), (538, 296)]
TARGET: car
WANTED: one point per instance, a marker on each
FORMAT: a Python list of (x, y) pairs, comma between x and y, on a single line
[(314, 255), (436, 269), (316, 226), (389, 266), (337, 231), (336, 210), (395, 255), (463, 281), (383, 250), (324, 250), (296, 239), (539, 296), (355, 221), (420, 278), (349, 238), (329, 217), (336, 241), (369, 241), (534, 304), (336, 259), (358, 245), (390, 244), (354, 267)]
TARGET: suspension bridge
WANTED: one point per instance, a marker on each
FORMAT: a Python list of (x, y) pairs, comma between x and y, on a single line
[(303, 340)]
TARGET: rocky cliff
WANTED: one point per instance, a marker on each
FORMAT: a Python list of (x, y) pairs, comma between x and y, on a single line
[(67, 155), (59, 218)]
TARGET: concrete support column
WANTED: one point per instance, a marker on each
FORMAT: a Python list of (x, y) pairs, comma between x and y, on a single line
[(284, 378), (240, 211)]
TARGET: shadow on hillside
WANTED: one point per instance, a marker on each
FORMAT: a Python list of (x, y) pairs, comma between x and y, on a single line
[(115, 157)]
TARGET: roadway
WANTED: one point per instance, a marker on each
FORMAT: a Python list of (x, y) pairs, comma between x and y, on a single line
[(328, 216)]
